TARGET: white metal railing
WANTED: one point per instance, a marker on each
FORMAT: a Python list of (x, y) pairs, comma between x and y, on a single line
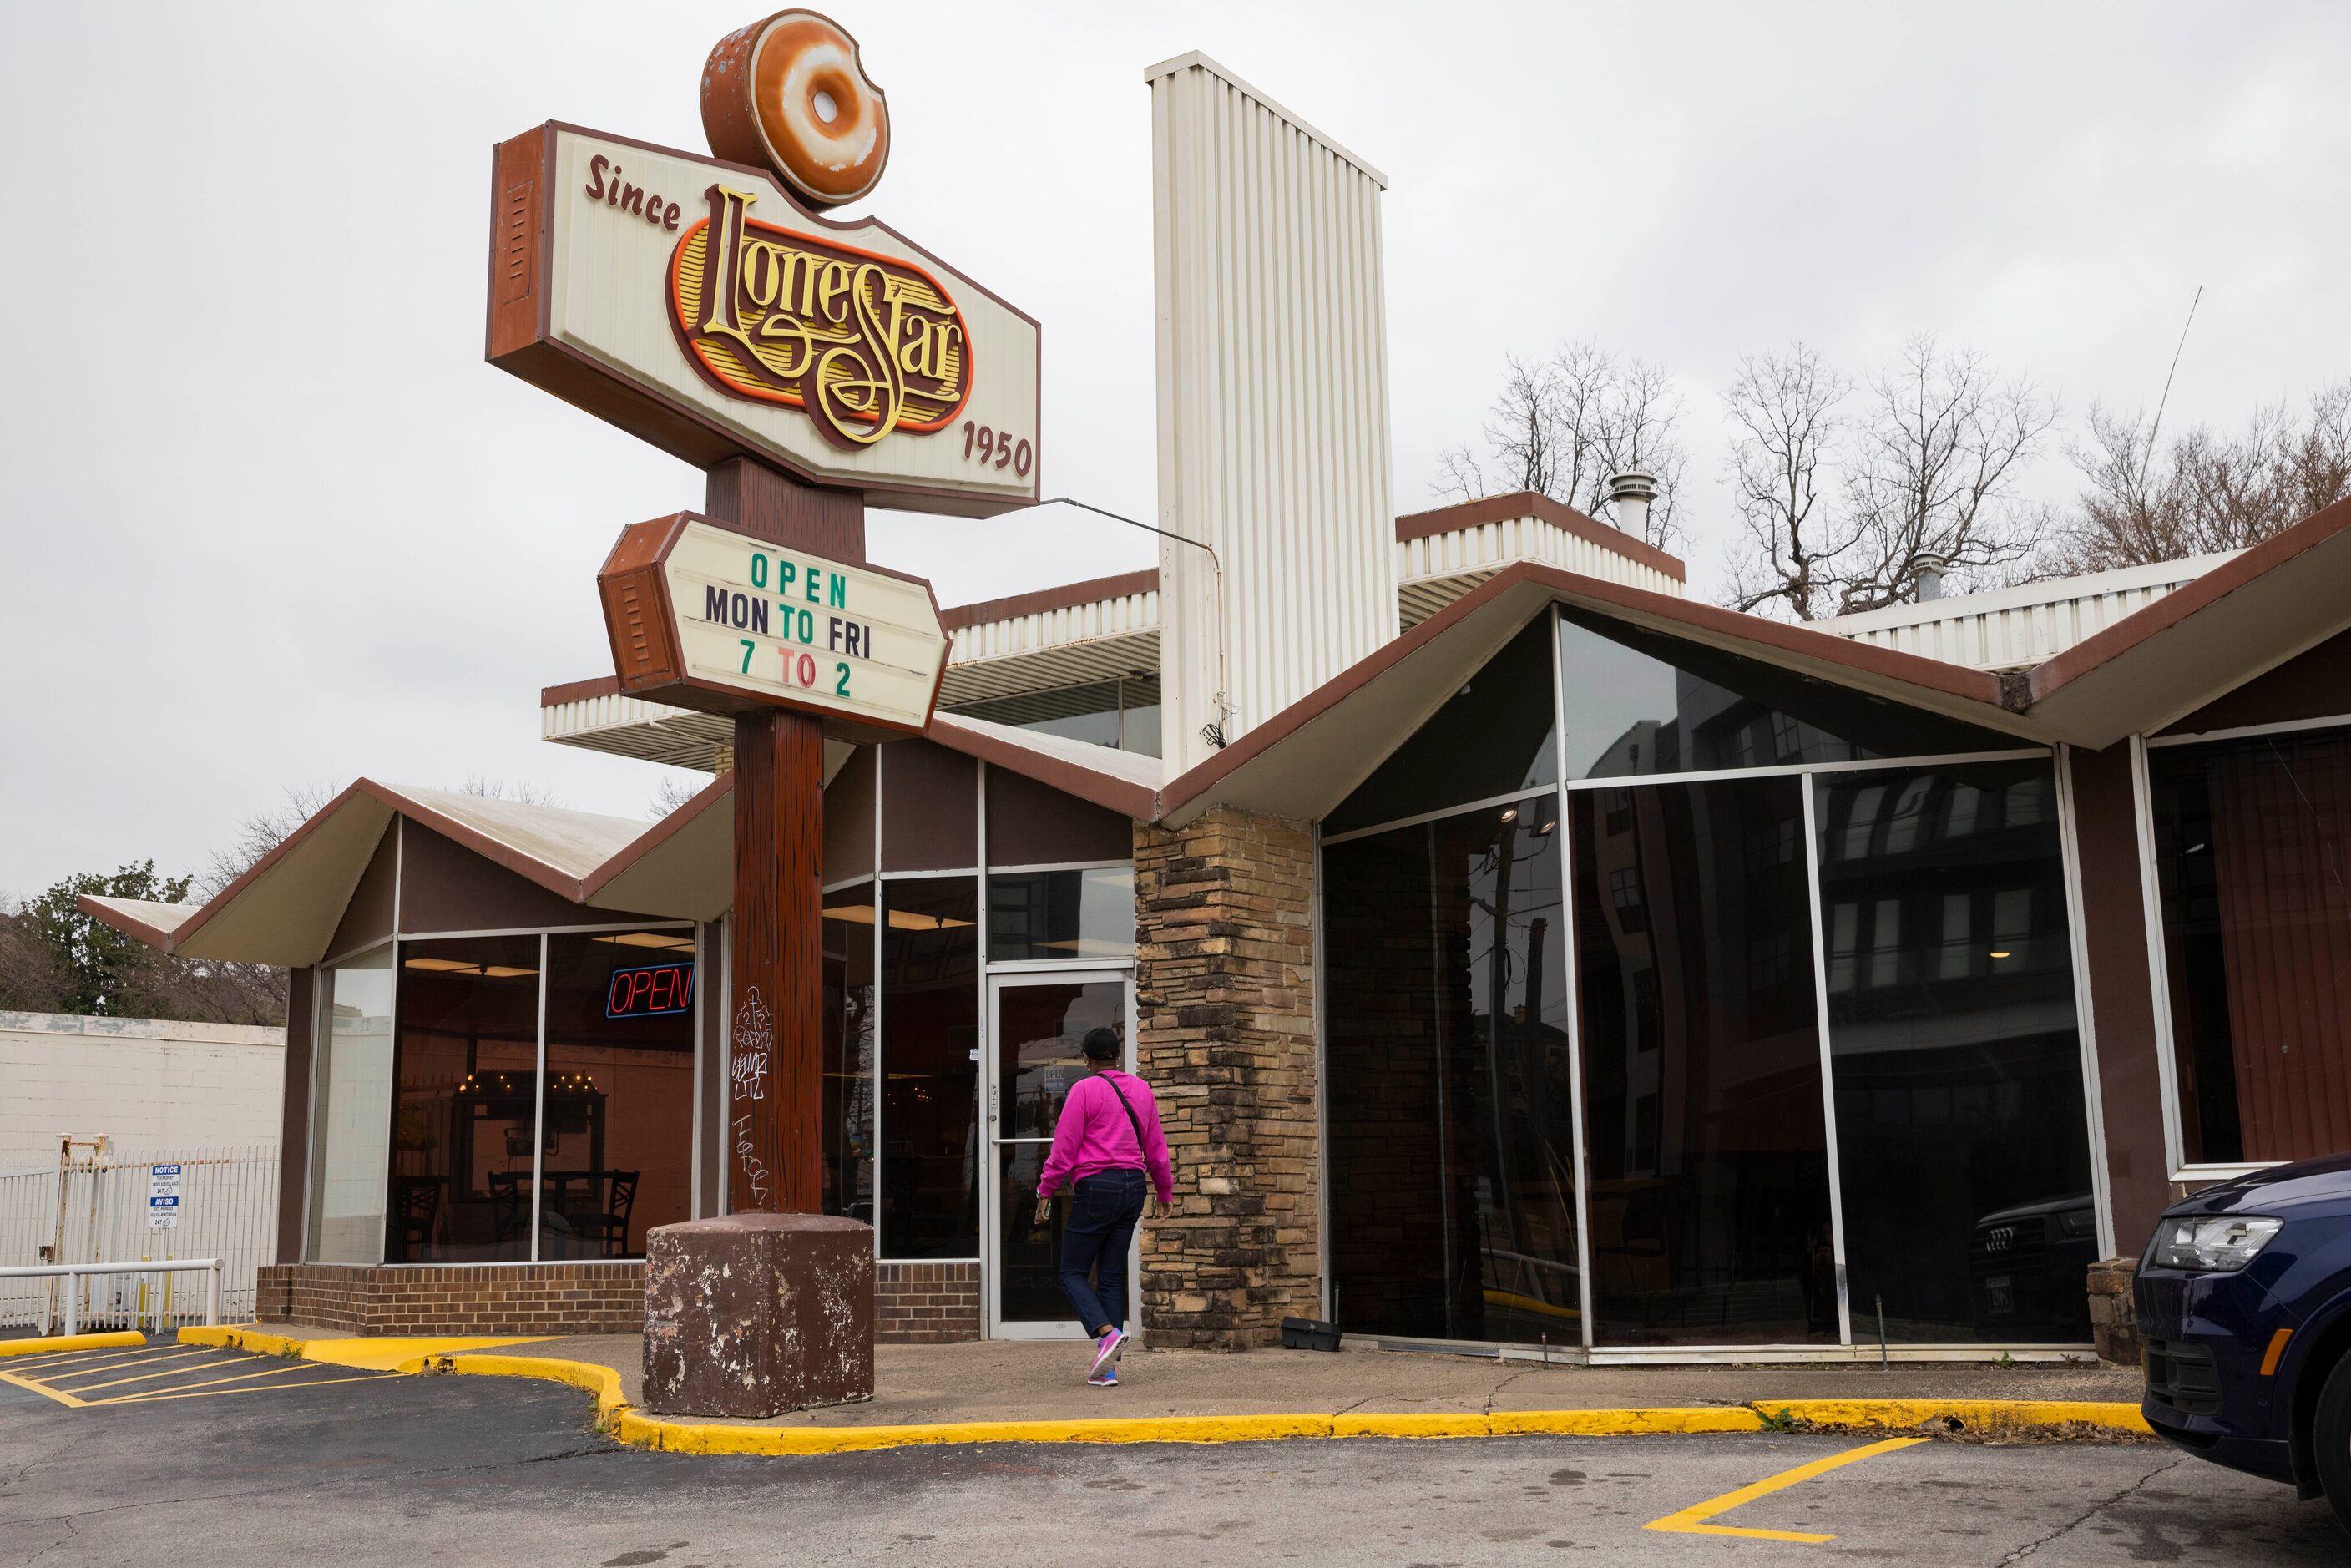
[(71, 1273), (88, 1206)]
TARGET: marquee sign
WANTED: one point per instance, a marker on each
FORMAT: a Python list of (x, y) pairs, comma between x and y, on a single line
[(697, 304), (703, 617)]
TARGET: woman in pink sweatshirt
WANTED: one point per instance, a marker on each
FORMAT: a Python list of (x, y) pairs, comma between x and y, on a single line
[(1107, 1138)]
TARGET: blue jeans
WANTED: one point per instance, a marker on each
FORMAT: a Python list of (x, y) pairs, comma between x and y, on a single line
[(1102, 1215)]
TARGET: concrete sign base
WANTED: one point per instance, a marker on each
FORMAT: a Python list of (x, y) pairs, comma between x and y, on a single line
[(754, 1314)]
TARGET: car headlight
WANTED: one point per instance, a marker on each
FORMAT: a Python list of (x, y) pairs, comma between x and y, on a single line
[(2221, 1243)]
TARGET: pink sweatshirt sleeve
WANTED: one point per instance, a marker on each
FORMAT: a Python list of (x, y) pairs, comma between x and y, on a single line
[(1155, 1146), (1069, 1137)]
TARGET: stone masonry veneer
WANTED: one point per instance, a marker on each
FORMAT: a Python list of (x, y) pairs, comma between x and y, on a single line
[(1225, 997)]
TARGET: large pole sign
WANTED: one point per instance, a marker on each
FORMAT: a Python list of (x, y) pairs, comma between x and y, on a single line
[(702, 305), (701, 616), (695, 304)]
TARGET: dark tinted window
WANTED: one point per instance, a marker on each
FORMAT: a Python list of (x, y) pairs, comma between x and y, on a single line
[(1640, 702), (1962, 1145), (619, 1091), (464, 1105), (1084, 913), (849, 1051), (1704, 1127), (930, 1064), (1452, 1162), (1493, 737)]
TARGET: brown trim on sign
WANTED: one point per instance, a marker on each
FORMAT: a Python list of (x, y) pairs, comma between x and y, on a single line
[(1043, 601), (679, 428), (1860, 658), (518, 214), (2103, 647), (1534, 504)]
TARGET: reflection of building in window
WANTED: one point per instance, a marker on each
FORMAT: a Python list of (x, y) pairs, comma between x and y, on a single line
[(1648, 1010), (1619, 803), (1122, 715), (1625, 893), (1771, 960)]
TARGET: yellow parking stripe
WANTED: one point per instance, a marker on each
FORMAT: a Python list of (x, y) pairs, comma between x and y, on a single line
[(40, 1388), (167, 1372), (48, 1376), (61, 1357), (1692, 1521), (216, 1393), (245, 1377)]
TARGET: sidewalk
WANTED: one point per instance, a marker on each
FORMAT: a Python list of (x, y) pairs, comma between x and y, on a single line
[(1000, 1381)]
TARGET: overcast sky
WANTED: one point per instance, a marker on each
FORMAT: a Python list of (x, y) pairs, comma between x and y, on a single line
[(270, 520)]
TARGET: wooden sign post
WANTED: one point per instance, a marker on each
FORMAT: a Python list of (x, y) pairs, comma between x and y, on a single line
[(738, 611), (704, 306)]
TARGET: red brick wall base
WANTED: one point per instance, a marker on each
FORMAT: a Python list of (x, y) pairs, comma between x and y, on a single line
[(508, 1298), (925, 1303), (913, 1303)]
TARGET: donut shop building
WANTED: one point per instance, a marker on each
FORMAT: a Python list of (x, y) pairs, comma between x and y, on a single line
[(1527, 956)]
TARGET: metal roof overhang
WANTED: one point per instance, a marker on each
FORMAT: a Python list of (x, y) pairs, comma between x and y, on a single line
[(1306, 759), (2237, 622)]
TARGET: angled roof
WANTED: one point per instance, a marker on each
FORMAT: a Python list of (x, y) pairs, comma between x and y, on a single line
[(1307, 758), (2241, 619), (285, 908)]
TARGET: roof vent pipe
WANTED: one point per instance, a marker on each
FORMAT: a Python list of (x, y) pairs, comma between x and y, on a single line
[(1930, 577), (1630, 492)]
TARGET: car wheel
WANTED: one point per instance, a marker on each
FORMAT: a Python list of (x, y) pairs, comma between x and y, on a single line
[(2331, 1440)]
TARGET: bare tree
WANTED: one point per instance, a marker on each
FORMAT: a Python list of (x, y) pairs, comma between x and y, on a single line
[(2206, 492), (1560, 427), (1845, 515), (260, 833), (1784, 406), (499, 789), (670, 794), (1934, 486)]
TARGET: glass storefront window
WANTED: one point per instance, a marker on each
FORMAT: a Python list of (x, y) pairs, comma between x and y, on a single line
[(617, 1130), (1962, 1141), (1452, 1149), (930, 1065), (352, 1113), (849, 1052), (1495, 735), (1639, 703), (1704, 1127), (1086, 914), (465, 1087), (2255, 886), (1122, 715)]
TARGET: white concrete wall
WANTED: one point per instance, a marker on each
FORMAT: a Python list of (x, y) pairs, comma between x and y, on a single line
[(141, 1082), (1272, 403)]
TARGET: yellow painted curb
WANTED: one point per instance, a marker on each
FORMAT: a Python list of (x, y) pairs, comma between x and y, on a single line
[(1375, 1425), (1978, 1414), (242, 1338), (713, 1437), (603, 1382), (1625, 1422), (52, 1344)]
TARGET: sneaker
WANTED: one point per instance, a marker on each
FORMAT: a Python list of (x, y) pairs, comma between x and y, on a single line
[(1106, 1378), (1106, 1349)]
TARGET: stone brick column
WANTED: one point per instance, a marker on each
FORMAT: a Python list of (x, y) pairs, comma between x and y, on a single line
[(1225, 997)]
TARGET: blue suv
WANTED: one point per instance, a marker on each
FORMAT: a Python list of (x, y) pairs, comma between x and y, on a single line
[(2244, 1303)]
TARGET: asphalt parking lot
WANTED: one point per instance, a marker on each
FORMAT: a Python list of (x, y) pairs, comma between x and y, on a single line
[(363, 1469)]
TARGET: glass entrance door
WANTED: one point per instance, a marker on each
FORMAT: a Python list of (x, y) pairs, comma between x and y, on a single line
[(1037, 1025)]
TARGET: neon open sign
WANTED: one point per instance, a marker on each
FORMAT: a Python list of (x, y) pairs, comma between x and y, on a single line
[(650, 991)]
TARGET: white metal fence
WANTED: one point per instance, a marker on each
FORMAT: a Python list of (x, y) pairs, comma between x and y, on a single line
[(91, 1205)]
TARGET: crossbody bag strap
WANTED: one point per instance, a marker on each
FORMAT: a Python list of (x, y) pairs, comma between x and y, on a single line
[(1140, 1153)]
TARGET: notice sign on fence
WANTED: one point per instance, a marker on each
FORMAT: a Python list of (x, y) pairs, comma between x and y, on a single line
[(162, 1198)]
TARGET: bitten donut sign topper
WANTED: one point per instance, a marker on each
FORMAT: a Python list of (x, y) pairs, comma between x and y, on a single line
[(706, 305)]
